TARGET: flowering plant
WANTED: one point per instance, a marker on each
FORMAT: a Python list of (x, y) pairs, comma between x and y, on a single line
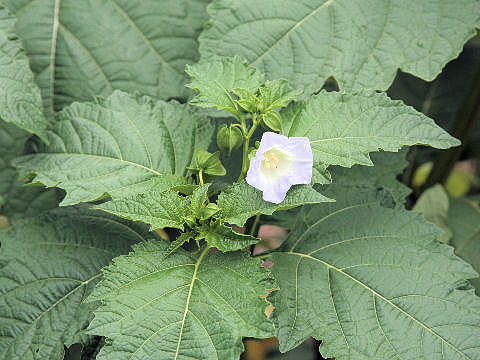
[(145, 150)]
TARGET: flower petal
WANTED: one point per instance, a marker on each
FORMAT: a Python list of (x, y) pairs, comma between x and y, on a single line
[(254, 178), (277, 191)]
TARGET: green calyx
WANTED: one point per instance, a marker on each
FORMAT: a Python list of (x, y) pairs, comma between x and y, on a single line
[(229, 138)]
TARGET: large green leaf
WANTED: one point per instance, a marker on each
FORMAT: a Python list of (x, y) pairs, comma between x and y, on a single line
[(117, 146), (242, 201), (464, 222), (184, 307), (20, 98), (383, 175), (81, 49), (373, 283), (344, 128), (360, 42), (51, 264)]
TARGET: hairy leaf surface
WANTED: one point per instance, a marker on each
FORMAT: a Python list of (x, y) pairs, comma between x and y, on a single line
[(382, 176), (344, 128), (117, 146), (158, 209), (183, 307), (224, 238), (464, 222), (20, 98), (361, 43), (373, 283), (51, 264), (16, 199), (242, 201), (215, 81), (81, 49)]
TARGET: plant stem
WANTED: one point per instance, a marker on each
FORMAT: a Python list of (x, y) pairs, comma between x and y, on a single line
[(246, 145), (461, 130), (245, 162), (200, 175), (254, 225)]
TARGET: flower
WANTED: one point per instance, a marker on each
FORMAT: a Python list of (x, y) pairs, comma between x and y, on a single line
[(279, 163)]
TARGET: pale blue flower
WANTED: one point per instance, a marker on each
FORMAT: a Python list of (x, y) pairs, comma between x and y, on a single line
[(279, 163)]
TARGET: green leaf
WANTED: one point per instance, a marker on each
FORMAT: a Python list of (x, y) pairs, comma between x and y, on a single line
[(272, 120), (209, 163), (361, 44), (199, 199), (51, 266), (216, 80), (12, 142), (464, 221), (381, 179), (433, 204), (383, 175), (17, 200), (242, 201), (174, 245), (344, 128), (373, 283), (20, 98), (224, 238), (182, 307), (201, 208), (117, 146), (158, 209), (276, 94), (83, 49)]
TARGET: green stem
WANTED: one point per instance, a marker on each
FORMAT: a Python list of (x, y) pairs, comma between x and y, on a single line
[(264, 255), (200, 175), (254, 225), (246, 145)]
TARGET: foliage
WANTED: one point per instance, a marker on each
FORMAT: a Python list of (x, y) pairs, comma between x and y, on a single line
[(115, 104)]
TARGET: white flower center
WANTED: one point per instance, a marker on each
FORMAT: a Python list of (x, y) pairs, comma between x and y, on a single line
[(275, 164)]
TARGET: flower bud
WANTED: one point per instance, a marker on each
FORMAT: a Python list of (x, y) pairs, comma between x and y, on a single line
[(229, 138)]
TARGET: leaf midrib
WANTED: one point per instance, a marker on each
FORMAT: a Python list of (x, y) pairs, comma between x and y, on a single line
[(292, 29), (330, 266), (104, 158), (187, 305)]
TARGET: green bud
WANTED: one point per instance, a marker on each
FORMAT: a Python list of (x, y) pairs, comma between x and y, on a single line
[(229, 138), (272, 120), (208, 163)]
